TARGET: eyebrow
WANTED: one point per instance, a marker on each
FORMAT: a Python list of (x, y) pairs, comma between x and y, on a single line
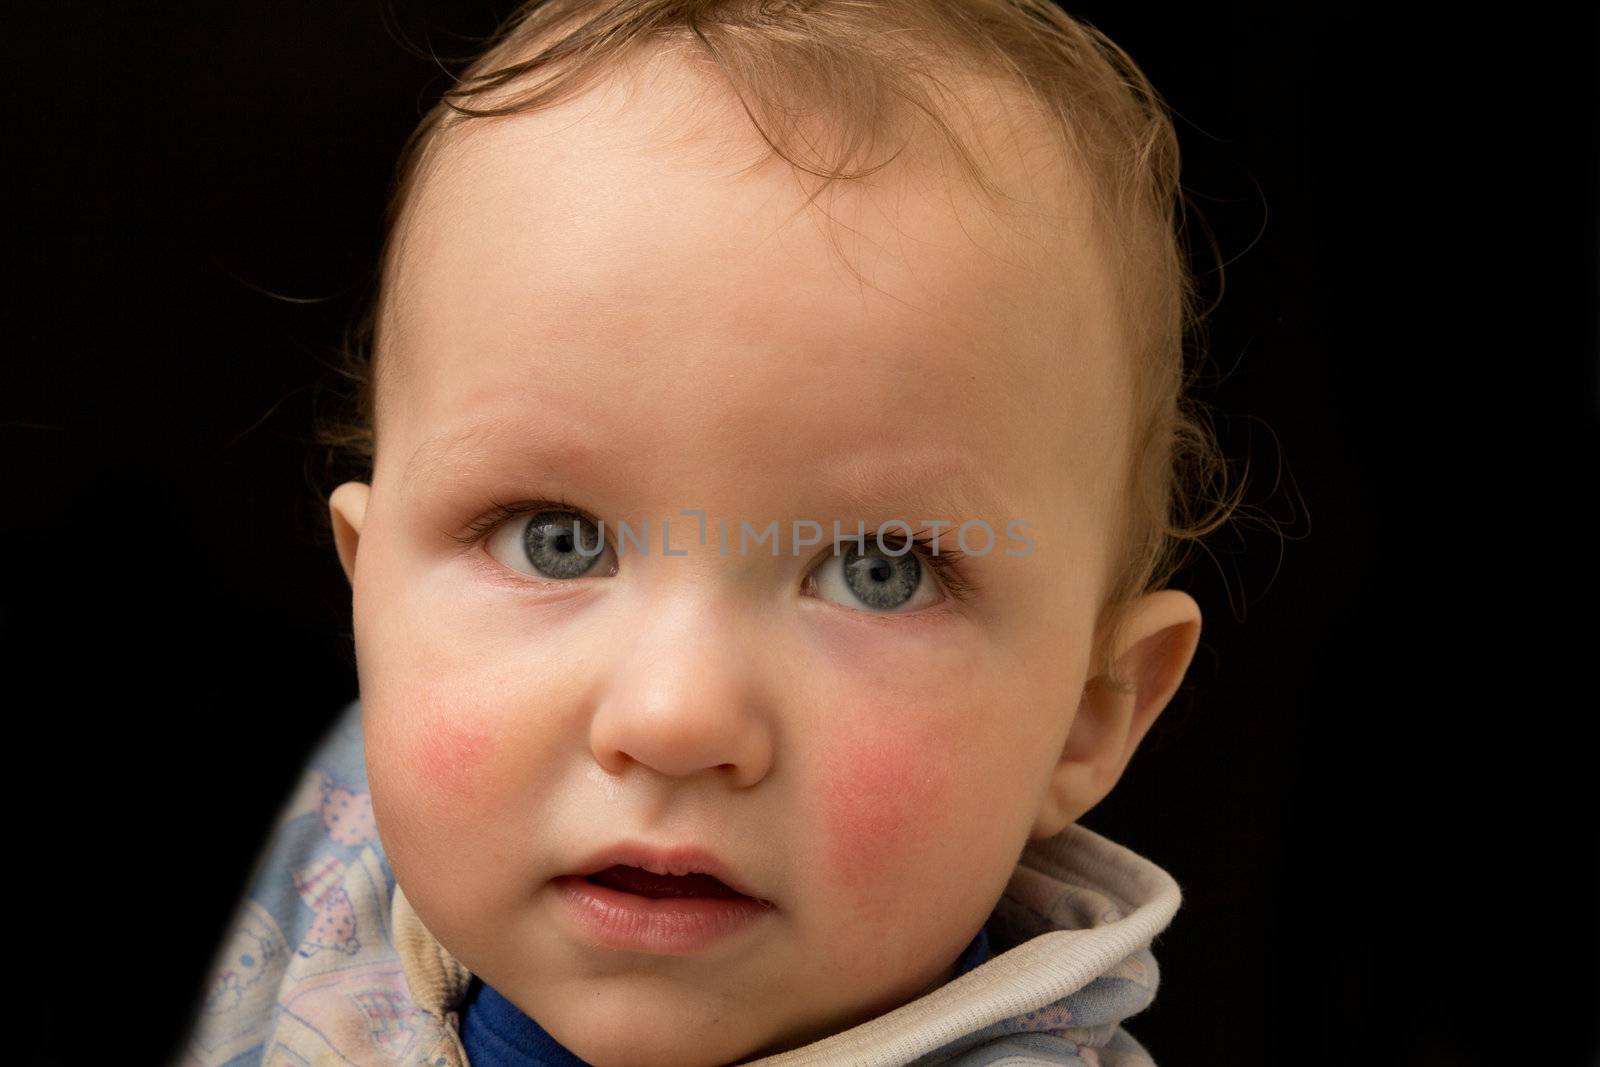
[(942, 481), (478, 447)]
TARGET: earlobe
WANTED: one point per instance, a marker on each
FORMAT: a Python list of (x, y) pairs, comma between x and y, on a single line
[(347, 507), (1161, 634)]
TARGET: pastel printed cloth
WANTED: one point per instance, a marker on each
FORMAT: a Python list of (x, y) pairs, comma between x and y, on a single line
[(324, 961)]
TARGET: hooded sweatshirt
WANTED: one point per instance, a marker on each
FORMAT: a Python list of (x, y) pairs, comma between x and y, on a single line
[(325, 962)]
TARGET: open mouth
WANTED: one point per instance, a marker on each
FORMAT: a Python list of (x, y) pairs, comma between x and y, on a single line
[(637, 910), (643, 883)]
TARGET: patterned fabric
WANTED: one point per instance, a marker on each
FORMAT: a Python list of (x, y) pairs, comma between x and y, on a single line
[(325, 963)]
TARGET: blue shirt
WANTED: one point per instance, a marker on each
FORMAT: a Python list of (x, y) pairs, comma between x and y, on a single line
[(495, 1032)]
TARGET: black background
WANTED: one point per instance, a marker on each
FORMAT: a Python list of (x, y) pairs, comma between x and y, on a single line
[(1376, 787)]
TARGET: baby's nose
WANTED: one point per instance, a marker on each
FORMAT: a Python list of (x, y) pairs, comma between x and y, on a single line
[(687, 694)]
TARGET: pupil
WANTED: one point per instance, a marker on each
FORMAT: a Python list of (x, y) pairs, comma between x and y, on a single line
[(556, 547), (882, 582)]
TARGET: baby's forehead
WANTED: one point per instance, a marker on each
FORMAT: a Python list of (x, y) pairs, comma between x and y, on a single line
[(662, 136), (608, 236)]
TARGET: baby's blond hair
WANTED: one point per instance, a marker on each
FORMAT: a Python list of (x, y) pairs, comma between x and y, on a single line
[(863, 62)]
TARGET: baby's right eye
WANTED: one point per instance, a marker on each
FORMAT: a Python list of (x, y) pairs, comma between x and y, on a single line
[(557, 543)]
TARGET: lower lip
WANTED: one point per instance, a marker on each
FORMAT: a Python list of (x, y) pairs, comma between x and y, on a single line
[(664, 926)]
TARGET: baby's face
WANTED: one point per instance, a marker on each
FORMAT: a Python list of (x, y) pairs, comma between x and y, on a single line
[(591, 322)]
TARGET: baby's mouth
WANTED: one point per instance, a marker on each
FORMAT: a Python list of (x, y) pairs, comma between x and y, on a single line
[(645, 884)]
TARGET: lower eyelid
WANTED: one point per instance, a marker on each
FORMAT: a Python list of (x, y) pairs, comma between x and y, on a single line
[(484, 560), (548, 589), (944, 611)]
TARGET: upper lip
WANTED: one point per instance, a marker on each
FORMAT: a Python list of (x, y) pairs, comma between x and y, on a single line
[(666, 859)]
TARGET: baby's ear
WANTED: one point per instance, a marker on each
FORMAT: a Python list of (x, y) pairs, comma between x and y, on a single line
[(347, 507), (1162, 631)]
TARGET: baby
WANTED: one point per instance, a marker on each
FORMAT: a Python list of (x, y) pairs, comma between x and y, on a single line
[(777, 450)]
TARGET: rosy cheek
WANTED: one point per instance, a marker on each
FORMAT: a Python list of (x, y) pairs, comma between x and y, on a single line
[(449, 757), (885, 784)]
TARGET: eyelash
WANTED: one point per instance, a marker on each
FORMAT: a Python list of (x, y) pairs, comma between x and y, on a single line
[(945, 563)]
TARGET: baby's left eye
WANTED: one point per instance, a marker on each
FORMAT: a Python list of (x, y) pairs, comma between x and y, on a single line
[(876, 580)]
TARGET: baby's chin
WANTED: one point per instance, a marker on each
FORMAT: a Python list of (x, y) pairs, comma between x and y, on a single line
[(636, 1024), (664, 1048), (645, 1025)]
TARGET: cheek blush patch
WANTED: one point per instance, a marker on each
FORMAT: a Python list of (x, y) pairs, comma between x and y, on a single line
[(884, 787), (449, 758)]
